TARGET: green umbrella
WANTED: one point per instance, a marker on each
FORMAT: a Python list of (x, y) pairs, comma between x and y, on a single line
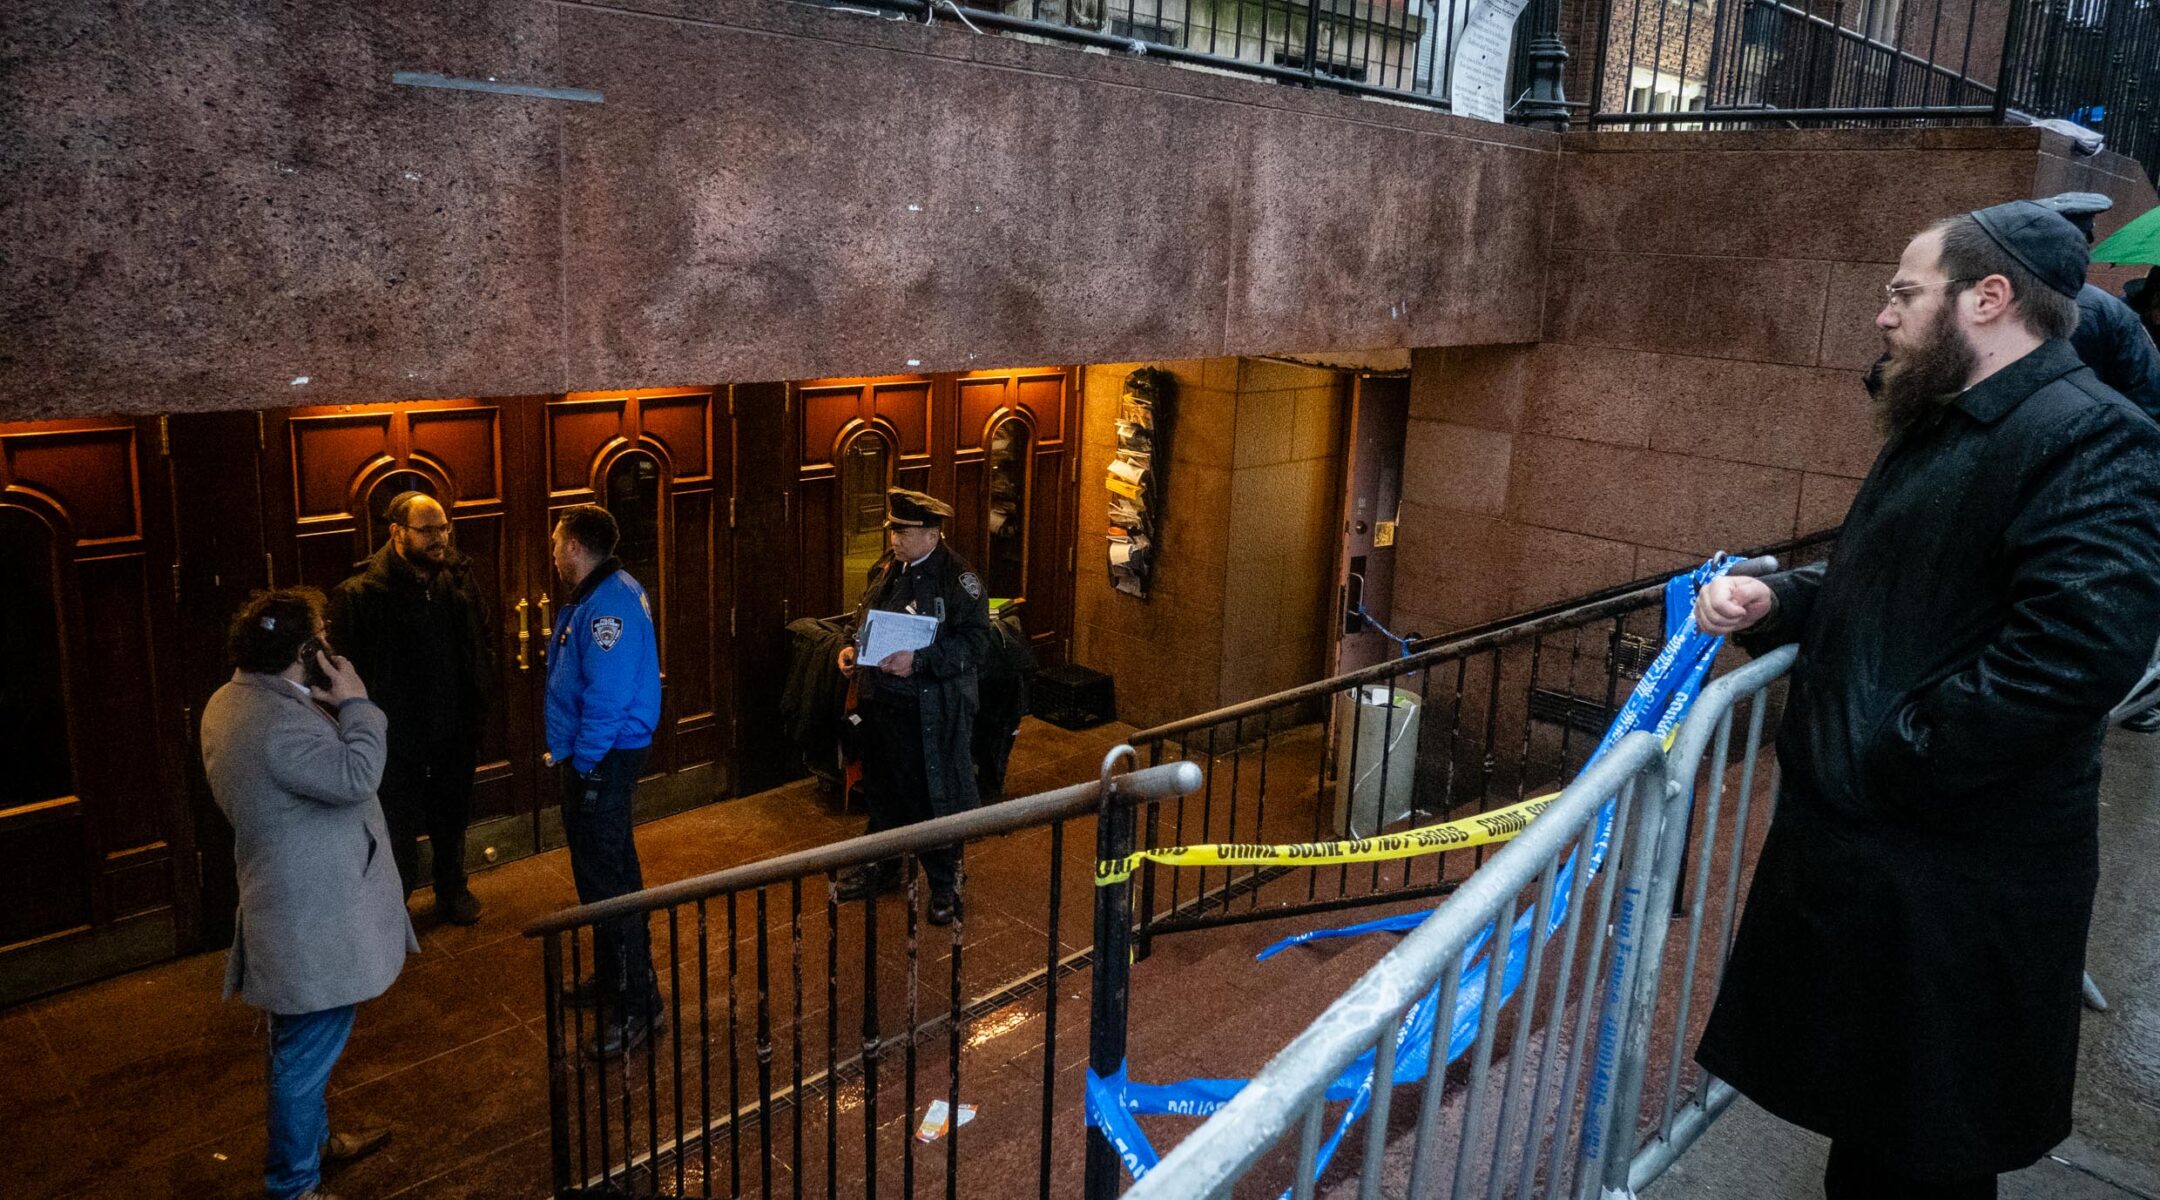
[(2137, 242)]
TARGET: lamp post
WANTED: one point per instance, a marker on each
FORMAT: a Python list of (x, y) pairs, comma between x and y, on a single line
[(1545, 103)]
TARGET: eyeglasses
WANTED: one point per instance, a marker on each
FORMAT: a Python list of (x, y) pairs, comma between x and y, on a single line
[(1893, 293), (442, 530)]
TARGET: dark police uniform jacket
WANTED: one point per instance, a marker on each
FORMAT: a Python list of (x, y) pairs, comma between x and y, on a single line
[(1906, 975), (2113, 342), (944, 685)]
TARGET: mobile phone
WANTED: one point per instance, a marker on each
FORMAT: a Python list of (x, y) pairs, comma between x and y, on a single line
[(311, 671)]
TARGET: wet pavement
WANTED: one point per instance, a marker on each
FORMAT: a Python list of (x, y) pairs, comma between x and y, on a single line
[(2114, 1151), (147, 1085)]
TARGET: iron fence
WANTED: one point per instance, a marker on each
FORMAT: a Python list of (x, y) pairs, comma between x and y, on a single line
[(1694, 64), (1485, 717), (766, 1059), (1398, 49), (1598, 1030)]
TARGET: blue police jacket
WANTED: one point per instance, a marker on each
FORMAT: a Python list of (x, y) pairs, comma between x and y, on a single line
[(603, 690)]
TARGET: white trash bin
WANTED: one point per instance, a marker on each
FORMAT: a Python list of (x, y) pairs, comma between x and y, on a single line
[(1385, 740)]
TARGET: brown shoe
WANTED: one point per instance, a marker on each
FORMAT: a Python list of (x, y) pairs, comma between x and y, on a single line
[(352, 1146)]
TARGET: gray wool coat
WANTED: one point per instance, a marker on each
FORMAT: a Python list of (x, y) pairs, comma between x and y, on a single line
[(322, 919)]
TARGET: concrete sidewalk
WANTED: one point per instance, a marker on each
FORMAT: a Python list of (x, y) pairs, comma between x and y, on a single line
[(2114, 1152)]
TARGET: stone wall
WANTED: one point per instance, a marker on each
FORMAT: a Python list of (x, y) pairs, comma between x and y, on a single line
[(229, 206), (1709, 307)]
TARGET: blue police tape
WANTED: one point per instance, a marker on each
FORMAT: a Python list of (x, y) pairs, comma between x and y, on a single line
[(1666, 690)]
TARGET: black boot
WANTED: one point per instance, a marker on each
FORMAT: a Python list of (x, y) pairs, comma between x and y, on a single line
[(865, 882)]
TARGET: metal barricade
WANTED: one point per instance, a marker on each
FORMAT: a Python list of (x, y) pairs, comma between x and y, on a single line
[(1603, 1021)]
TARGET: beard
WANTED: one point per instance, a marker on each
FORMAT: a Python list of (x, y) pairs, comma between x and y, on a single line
[(1925, 378)]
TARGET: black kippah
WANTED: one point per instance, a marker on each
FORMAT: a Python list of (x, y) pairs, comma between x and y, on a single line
[(2042, 240), (400, 505)]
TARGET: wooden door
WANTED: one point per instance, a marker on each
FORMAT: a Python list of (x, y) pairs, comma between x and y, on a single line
[(854, 439), (1013, 496), (658, 460), (999, 446), (329, 472), (96, 843)]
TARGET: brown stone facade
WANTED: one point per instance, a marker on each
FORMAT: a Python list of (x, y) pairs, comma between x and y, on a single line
[(231, 207), (1709, 307)]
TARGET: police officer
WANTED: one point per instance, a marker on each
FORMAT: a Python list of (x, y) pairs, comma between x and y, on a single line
[(2110, 338), (603, 703), (416, 628), (918, 707)]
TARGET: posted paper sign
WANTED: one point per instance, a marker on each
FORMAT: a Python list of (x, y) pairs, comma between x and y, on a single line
[(1481, 60)]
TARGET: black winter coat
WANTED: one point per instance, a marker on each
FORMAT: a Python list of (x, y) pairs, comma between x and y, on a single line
[(1906, 974), (2113, 342), (945, 679), (432, 689)]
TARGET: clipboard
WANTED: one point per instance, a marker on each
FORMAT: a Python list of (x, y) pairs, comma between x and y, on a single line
[(884, 634)]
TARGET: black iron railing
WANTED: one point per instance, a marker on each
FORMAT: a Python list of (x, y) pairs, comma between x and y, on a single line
[(1398, 49), (1479, 719), (1692, 64), (799, 1026)]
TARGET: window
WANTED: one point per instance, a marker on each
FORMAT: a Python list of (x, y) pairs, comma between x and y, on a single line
[(1879, 19), (33, 718), (1664, 91), (633, 499), (865, 473), (1007, 568)]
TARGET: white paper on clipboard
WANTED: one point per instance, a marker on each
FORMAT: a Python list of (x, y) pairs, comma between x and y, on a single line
[(885, 634)]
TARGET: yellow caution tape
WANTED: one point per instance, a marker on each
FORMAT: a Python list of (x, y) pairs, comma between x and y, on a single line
[(1484, 829), (1481, 830)]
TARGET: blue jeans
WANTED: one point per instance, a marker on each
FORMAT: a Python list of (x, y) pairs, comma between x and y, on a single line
[(303, 1048)]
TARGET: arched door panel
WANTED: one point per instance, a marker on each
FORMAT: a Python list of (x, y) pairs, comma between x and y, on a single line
[(648, 457), (95, 838), (329, 473)]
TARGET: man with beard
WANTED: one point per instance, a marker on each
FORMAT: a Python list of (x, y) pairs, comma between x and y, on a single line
[(416, 629), (1905, 979)]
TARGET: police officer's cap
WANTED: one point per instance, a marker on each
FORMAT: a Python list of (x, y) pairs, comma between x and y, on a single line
[(914, 510), (2041, 239), (2079, 208)]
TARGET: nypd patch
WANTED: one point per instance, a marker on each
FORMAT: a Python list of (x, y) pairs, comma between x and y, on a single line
[(971, 584), (606, 631)]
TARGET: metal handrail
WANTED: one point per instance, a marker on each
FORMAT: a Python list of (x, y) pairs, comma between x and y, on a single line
[(1011, 816), (1470, 640), (1284, 1090)]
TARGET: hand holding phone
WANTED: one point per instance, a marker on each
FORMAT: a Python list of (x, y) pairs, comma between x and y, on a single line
[(339, 682)]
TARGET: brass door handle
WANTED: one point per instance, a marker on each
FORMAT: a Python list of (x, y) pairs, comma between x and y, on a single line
[(547, 625), (524, 634)]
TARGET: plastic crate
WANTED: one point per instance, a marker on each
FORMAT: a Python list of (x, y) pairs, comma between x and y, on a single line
[(1073, 697)]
